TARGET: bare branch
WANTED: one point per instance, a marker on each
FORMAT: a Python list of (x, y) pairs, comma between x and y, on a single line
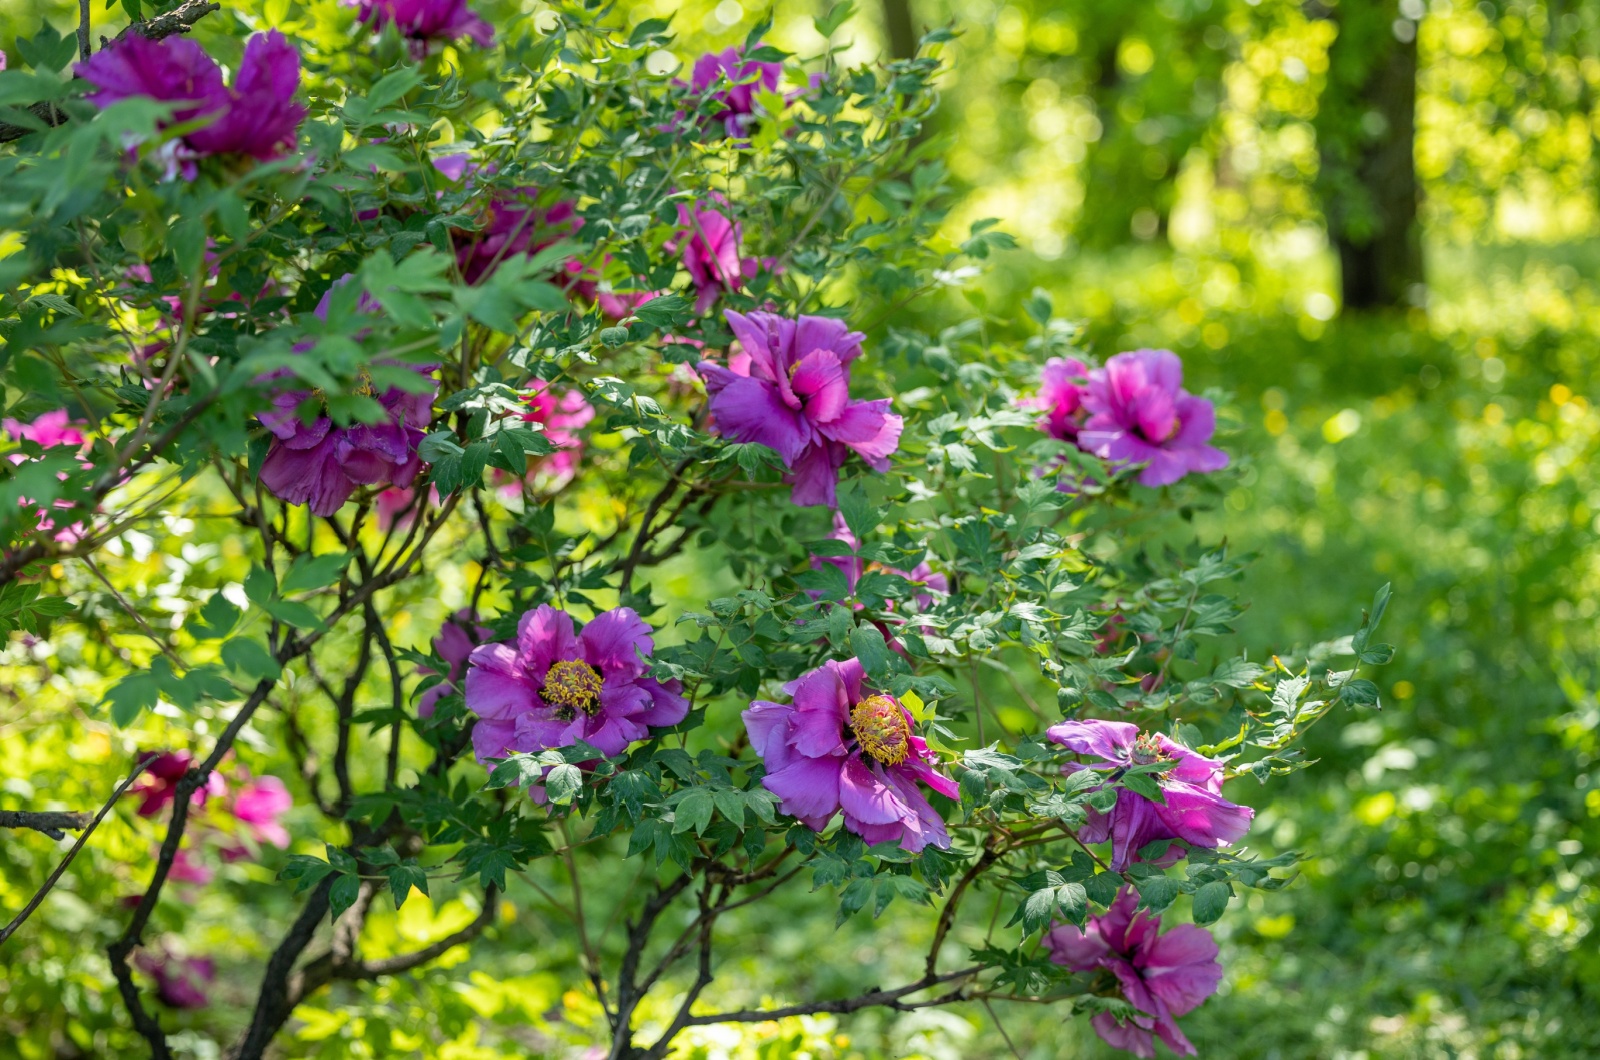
[(51, 823), (39, 895)]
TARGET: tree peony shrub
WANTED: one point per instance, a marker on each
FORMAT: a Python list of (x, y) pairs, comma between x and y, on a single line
[(590, 480)]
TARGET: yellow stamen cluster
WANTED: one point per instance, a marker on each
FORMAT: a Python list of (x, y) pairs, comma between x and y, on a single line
[(881, 729), (571, 686)]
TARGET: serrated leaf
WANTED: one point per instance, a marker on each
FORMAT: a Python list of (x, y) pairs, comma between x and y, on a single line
[(404, 877), (343, 895), (251, 658), (1211, 901), (563, 783), (694, 811)]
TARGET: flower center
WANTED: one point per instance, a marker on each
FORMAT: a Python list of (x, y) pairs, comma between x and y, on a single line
[(881, 728), (572, 685), (1147, 748), (364, 383)]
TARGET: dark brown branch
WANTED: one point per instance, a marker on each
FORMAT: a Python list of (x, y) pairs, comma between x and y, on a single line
[(50, 823), (274, 1004), (870, 999), (628, 992), (88, 830), (947, 915)]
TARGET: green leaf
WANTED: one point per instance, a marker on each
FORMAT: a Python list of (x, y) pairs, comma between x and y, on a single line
[(251, 658), (404, 877), (132, 695), (1144, 784), (1103, 887), (1156, 893), (304, 871), (870, 647), (694, 810), (1211, 901), (563, 783), (259, 585), (343, 895), (313, 572)]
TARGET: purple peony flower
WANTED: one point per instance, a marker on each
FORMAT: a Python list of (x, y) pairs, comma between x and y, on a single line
[(709, 242), (840, 746), (428, 20), (188, 868), (514, 225), (562, 414), (457, 637), (321, 465), (789, 389), (554, 686), (1194, 811), (1139, 413), (739, 99), (180, 981), (258, 116), (1162, 976), (1062, 385)]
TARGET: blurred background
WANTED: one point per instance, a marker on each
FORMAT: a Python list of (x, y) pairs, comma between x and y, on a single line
[(1375, 225)]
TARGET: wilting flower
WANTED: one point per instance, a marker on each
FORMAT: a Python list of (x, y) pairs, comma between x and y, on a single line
[(554, 686), (738, 100), (1162, 976), (321, 464), (258, 116), (427, 20), (1062, 385), (1194, 810), (841, 746), (457, 637), (180, 981), (1139, 413), (708, 242), (789, 389), (515, 226), (159, 784), (562, 414), (259, 806)]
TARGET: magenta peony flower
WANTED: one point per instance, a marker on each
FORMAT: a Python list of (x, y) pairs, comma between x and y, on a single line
[(1162, 976), (789, 389), (159, 784), (321, 465), (258, 116), (1194, 812), (840, 746), (708, 242), (562, 414), (260, 806), (1139, 413), (180, 981), (48, 430), (514, 225), (1062, 385), (187, 868), (555, 686), (457, 637), (738, 100), (428, 20)]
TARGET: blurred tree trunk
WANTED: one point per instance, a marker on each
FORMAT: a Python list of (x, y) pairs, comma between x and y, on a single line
[(1366, 126), (901, 28)]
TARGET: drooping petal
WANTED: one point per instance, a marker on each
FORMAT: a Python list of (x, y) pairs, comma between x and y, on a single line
[(1110, 741), (614, 640), (867, 796), (667, 704), (1181, 968), (869, 428), (749, 410), (497, 686), (808, 787)]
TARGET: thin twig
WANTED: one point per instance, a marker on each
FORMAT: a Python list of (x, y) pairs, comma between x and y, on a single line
[(83, 838), (50, 822)]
